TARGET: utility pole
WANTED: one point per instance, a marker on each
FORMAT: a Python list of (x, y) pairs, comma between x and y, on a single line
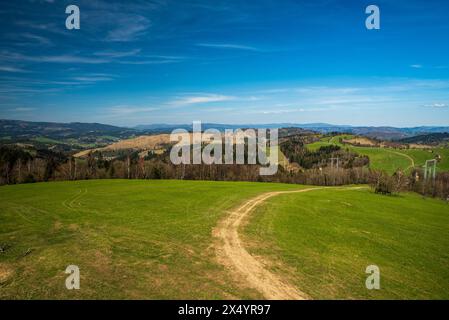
[(430, 169), (74, 164), (70, 168), (128, 160)]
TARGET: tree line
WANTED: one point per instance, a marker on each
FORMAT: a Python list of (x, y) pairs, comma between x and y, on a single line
[(19, 166)]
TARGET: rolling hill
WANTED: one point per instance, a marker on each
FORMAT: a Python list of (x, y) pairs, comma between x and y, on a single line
[(61, 136), (390, 159), (17, 129), (27, 129), (428, 139)]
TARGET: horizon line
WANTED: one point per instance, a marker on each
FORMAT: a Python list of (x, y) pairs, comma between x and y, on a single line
[(235, 124)]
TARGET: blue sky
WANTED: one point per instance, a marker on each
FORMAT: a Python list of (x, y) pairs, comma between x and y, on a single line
[(265, 61)]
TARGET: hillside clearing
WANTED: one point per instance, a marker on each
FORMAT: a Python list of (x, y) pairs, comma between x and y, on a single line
[(389, 159)]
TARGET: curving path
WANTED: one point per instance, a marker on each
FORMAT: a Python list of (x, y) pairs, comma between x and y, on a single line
[(233, 255), (412, 161), (70, 203)]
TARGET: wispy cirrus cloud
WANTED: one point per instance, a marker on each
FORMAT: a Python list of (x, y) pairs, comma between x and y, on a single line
[(436, 105), (209, 98), (68, 59), (93, 79), (129, 28), (12, 69), (83, 79), (36, 39), (13, 56), (151, 60), (118, 54), (121, 57), (25, 90), (416, 66), (22, 109), (46, 27), (227, 46), (296, 110), (279, 111), (123, 110)]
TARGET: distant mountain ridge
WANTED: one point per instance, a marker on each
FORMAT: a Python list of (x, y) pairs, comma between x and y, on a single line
[(19, 128), (429, 139), (29, 129), (385, 132), (61, 136)]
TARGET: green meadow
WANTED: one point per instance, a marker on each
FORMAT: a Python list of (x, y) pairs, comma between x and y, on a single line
[(144, 239), (323, 241), (130, 238)]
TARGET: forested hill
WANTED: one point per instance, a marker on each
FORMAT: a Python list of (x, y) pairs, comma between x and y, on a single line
[(20, 130), (430, 139), (28, 129)]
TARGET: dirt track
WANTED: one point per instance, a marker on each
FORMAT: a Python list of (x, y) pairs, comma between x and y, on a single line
[(233, 255), (412, 162)]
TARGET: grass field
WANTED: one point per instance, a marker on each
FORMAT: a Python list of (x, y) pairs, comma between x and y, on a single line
[(130, 239), (153, 240), (389, 159), (323, 240)]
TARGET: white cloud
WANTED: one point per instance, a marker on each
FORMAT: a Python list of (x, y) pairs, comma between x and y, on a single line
[(69, 59), (123, 110), (48, 27), (94, 77), (56, 59), (283, 111), (36, 39), (129, 28), (148, 62), (12, 69), (117, 54), (279, 111), (416, 66), (436, 105), (98, 58), (202, 99), (227, 46), (22, 109)]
